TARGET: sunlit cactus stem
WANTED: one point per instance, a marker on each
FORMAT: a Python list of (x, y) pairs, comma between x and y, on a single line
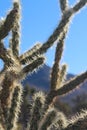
[(56, 67), (69, 86), (27, 56), (6, 94), (72, 84), (48, 118), (32, 66), (15, 108), (15, 41), (77, 121), (36, 110), (60, 122), (8, 23), (62, 76), (2, 121), (64, 5)]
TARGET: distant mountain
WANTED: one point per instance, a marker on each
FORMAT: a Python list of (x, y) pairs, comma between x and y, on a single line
[(41, 81), (41, 78)]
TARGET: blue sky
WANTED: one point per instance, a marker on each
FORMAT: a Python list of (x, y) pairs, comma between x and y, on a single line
[(40, 18)]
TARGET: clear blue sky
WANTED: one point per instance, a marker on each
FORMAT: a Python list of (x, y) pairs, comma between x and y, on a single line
[(40, 18)]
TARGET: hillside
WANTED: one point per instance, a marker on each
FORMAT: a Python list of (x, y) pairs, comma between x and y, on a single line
[(41, 81)]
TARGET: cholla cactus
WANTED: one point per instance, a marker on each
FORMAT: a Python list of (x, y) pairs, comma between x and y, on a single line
[(16, 67)]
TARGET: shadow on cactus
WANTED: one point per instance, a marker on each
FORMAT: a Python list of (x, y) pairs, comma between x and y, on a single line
[(44, 115)]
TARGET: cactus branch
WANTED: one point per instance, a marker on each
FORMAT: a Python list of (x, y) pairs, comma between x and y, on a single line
[(36, 110), (56, 69), (32, 67), (27, 57), (6, 56), (63, 5), (2, 119), (77, 121), (8, 23), (60, 122), (65, 89), (72, 84), (80, 4), (6, 93), (2, 51), (15, 107), (62, 76), (48, 119), (15, 41)]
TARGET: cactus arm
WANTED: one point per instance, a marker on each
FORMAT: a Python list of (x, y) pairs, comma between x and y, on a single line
[(27, 57), (15, 41), (36, 110), (15, 108), (2, 119), (48, 118), (2, 51), (32, 67), (66, 88), (62, 76), (6, 55), (72, 84), (76, 122), (56, 66), (80, 4), (63, 5), (8, 23)]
